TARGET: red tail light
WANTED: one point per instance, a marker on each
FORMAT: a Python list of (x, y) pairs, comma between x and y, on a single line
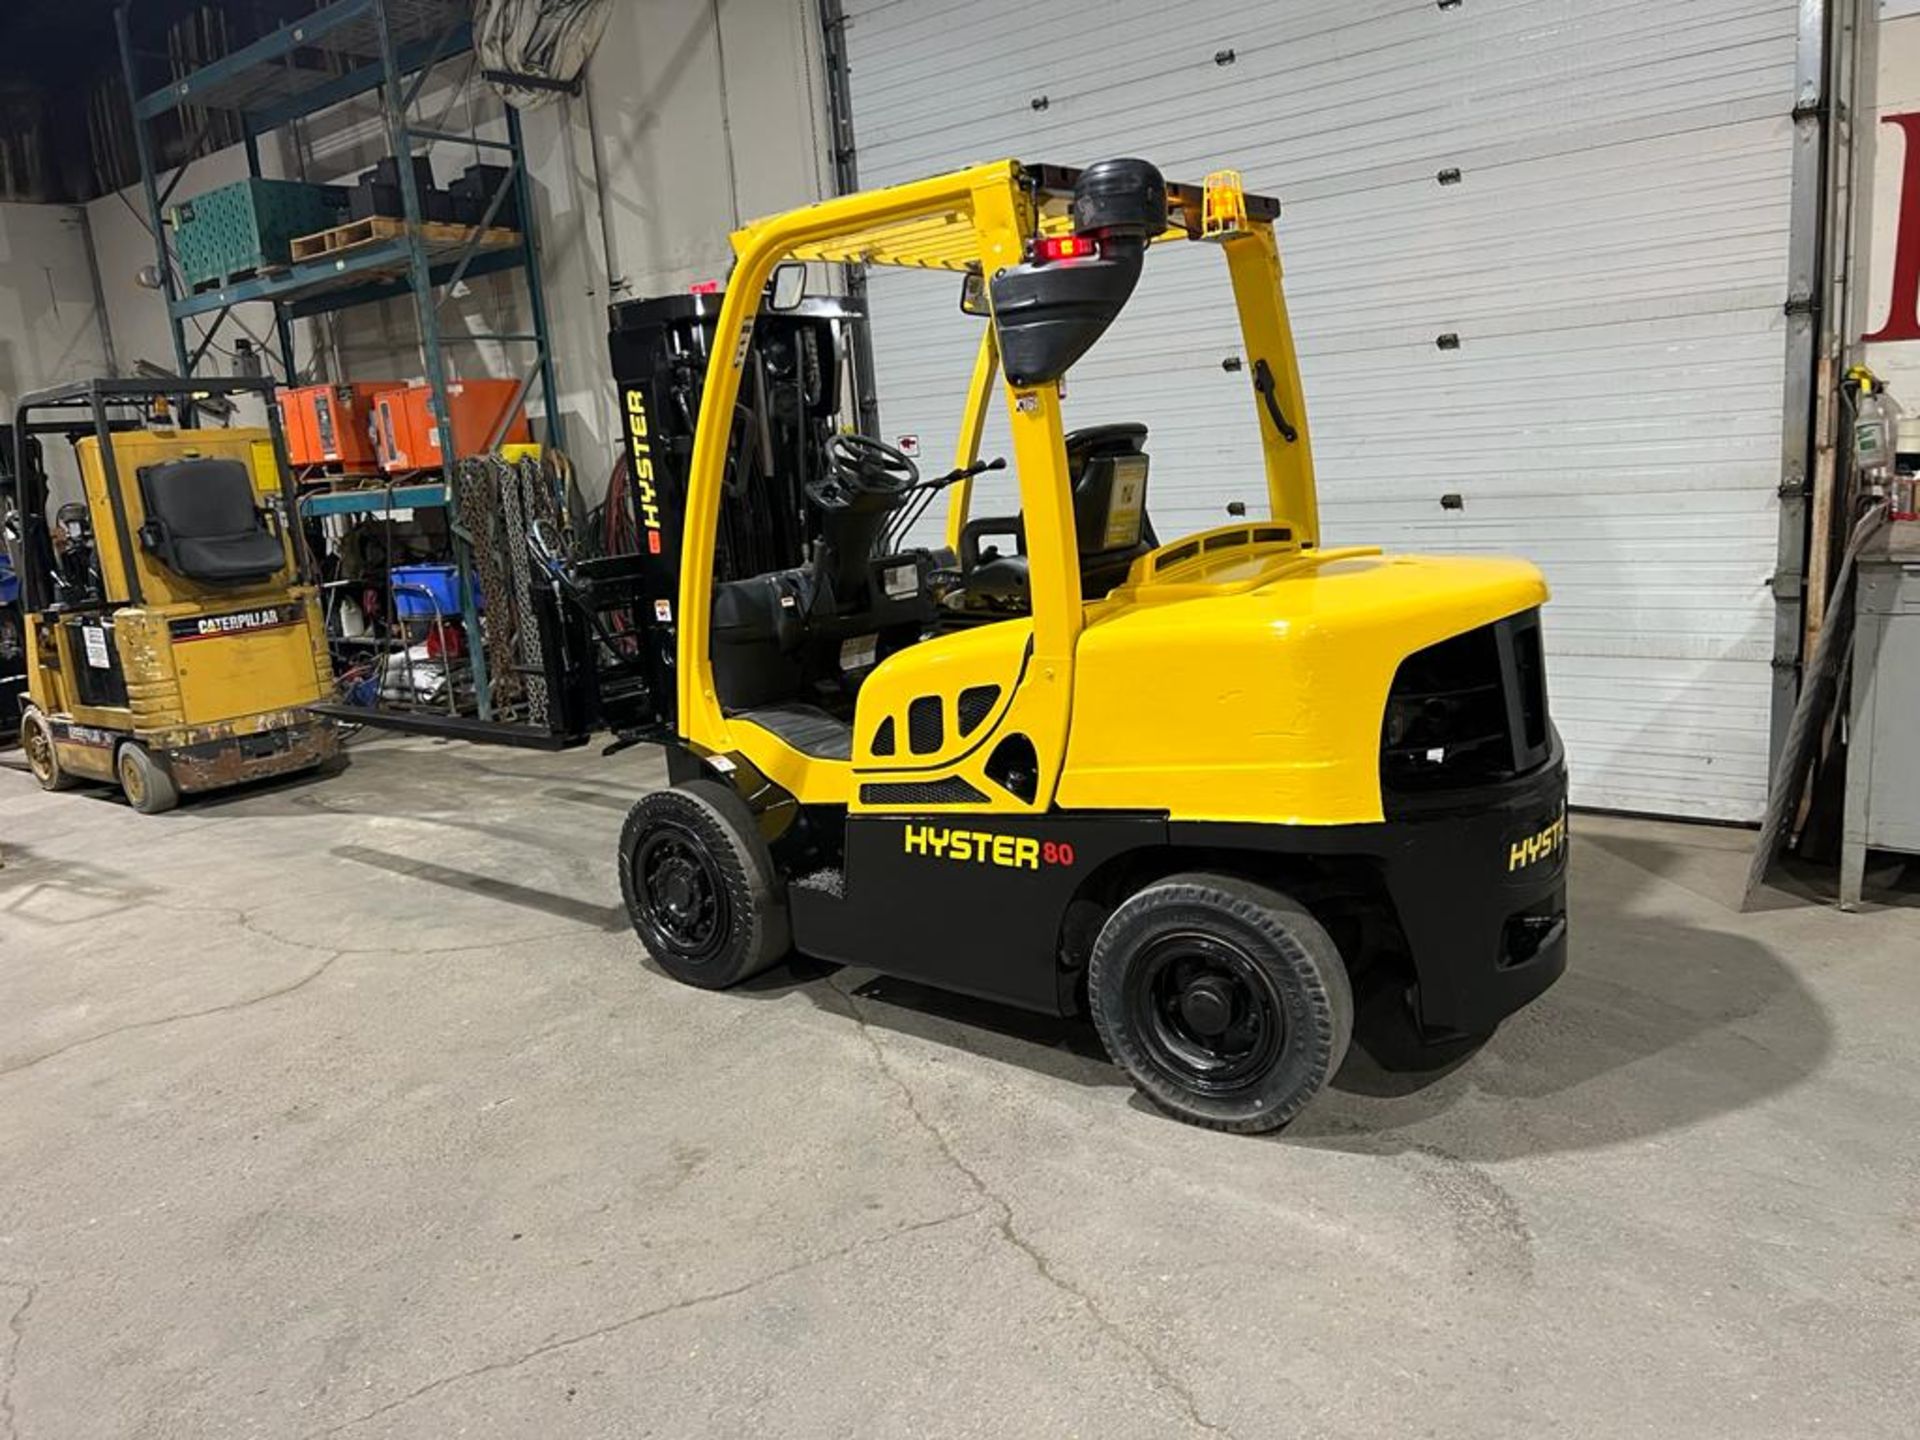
[(1064, 247)]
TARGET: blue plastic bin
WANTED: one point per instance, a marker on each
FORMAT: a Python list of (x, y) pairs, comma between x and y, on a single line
[(442, 580)]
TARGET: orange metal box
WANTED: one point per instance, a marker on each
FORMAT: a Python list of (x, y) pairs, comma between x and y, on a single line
[(331, 424), (296, 423), (407, 437)]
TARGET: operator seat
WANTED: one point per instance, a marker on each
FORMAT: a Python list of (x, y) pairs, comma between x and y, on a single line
[(1107, 466), (204, 522)]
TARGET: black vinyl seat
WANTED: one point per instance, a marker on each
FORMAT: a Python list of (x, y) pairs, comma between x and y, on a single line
[(1107, 468), (204, 522), (1108, 464)]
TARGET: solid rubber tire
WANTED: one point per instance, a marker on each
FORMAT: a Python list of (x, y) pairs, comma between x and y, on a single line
[(56, 776), (153, 791), (1289, 946), (719, 819)]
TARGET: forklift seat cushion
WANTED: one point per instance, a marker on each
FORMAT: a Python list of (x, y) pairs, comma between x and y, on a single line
[(204, 522), (807, 728), (1107, 467)]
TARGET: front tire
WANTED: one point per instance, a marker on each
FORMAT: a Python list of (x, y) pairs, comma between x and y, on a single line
[(1226, 1001), (36, 738), (700, 885), (144, 781)]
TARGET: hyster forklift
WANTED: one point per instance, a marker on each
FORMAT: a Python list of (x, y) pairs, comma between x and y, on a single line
[(1201, 788), (173, 632)]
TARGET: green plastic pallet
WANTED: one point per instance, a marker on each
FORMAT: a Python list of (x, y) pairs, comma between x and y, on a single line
[(246, 227)]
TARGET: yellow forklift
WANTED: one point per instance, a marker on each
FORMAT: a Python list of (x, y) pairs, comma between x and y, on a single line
[(1202, 787), (173, 632)]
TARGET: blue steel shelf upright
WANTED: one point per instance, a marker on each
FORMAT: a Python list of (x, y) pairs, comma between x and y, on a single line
[(341, 51)]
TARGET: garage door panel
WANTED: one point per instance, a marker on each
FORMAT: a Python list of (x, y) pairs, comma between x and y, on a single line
[(1667, 167), (902, 52), (1720, 351), (1381, 88), (1397, 59), (1327, 321), (1612, 262)]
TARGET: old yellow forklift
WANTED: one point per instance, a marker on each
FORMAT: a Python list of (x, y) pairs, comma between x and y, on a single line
[(173, 636), (1199, 787)]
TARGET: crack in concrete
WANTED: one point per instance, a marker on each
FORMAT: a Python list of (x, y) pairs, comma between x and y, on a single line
[(232, 1005), (253, 927), (246, 920), (16, 1327), (708, 1297), (1009, 1233)]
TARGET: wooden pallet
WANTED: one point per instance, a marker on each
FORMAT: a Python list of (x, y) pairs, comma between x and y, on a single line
[(441, 240)]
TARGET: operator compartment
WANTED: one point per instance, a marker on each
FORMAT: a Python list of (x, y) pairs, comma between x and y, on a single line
[(215, 560), (812, 586)]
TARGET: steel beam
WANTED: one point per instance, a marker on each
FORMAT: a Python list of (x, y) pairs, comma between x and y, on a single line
[(1806, 214)]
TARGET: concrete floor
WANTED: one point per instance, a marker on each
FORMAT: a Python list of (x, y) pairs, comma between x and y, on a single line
[(348, 1107)]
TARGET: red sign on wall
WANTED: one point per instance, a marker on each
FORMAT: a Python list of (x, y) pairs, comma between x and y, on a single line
[(1903, 305)]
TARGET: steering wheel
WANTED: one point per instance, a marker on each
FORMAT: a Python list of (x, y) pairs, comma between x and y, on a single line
[(860, 464)]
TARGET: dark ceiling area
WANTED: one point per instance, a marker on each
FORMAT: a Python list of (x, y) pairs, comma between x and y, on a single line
[(65, 133)]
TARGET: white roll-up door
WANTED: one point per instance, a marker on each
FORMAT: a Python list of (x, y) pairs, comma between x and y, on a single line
[(1591, 199)]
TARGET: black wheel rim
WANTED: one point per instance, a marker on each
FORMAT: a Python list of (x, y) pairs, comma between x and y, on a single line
[(682, 899), (1207, 1014)]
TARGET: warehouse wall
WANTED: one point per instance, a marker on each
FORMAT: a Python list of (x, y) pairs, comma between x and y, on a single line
[(49, 323), (697, 114), (705, 115)]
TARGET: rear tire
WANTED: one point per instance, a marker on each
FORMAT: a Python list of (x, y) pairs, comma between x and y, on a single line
[(1227, 1002), (700, 885), (144, 781), (36, 738)]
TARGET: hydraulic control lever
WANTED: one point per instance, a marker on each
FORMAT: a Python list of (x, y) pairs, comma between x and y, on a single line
[(967, 472), (910, 513)]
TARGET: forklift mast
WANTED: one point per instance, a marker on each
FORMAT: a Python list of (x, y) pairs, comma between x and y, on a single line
[(787, 411), (13, 662)]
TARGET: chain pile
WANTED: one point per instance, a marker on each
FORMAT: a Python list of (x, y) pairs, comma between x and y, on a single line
[(497, 502)]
